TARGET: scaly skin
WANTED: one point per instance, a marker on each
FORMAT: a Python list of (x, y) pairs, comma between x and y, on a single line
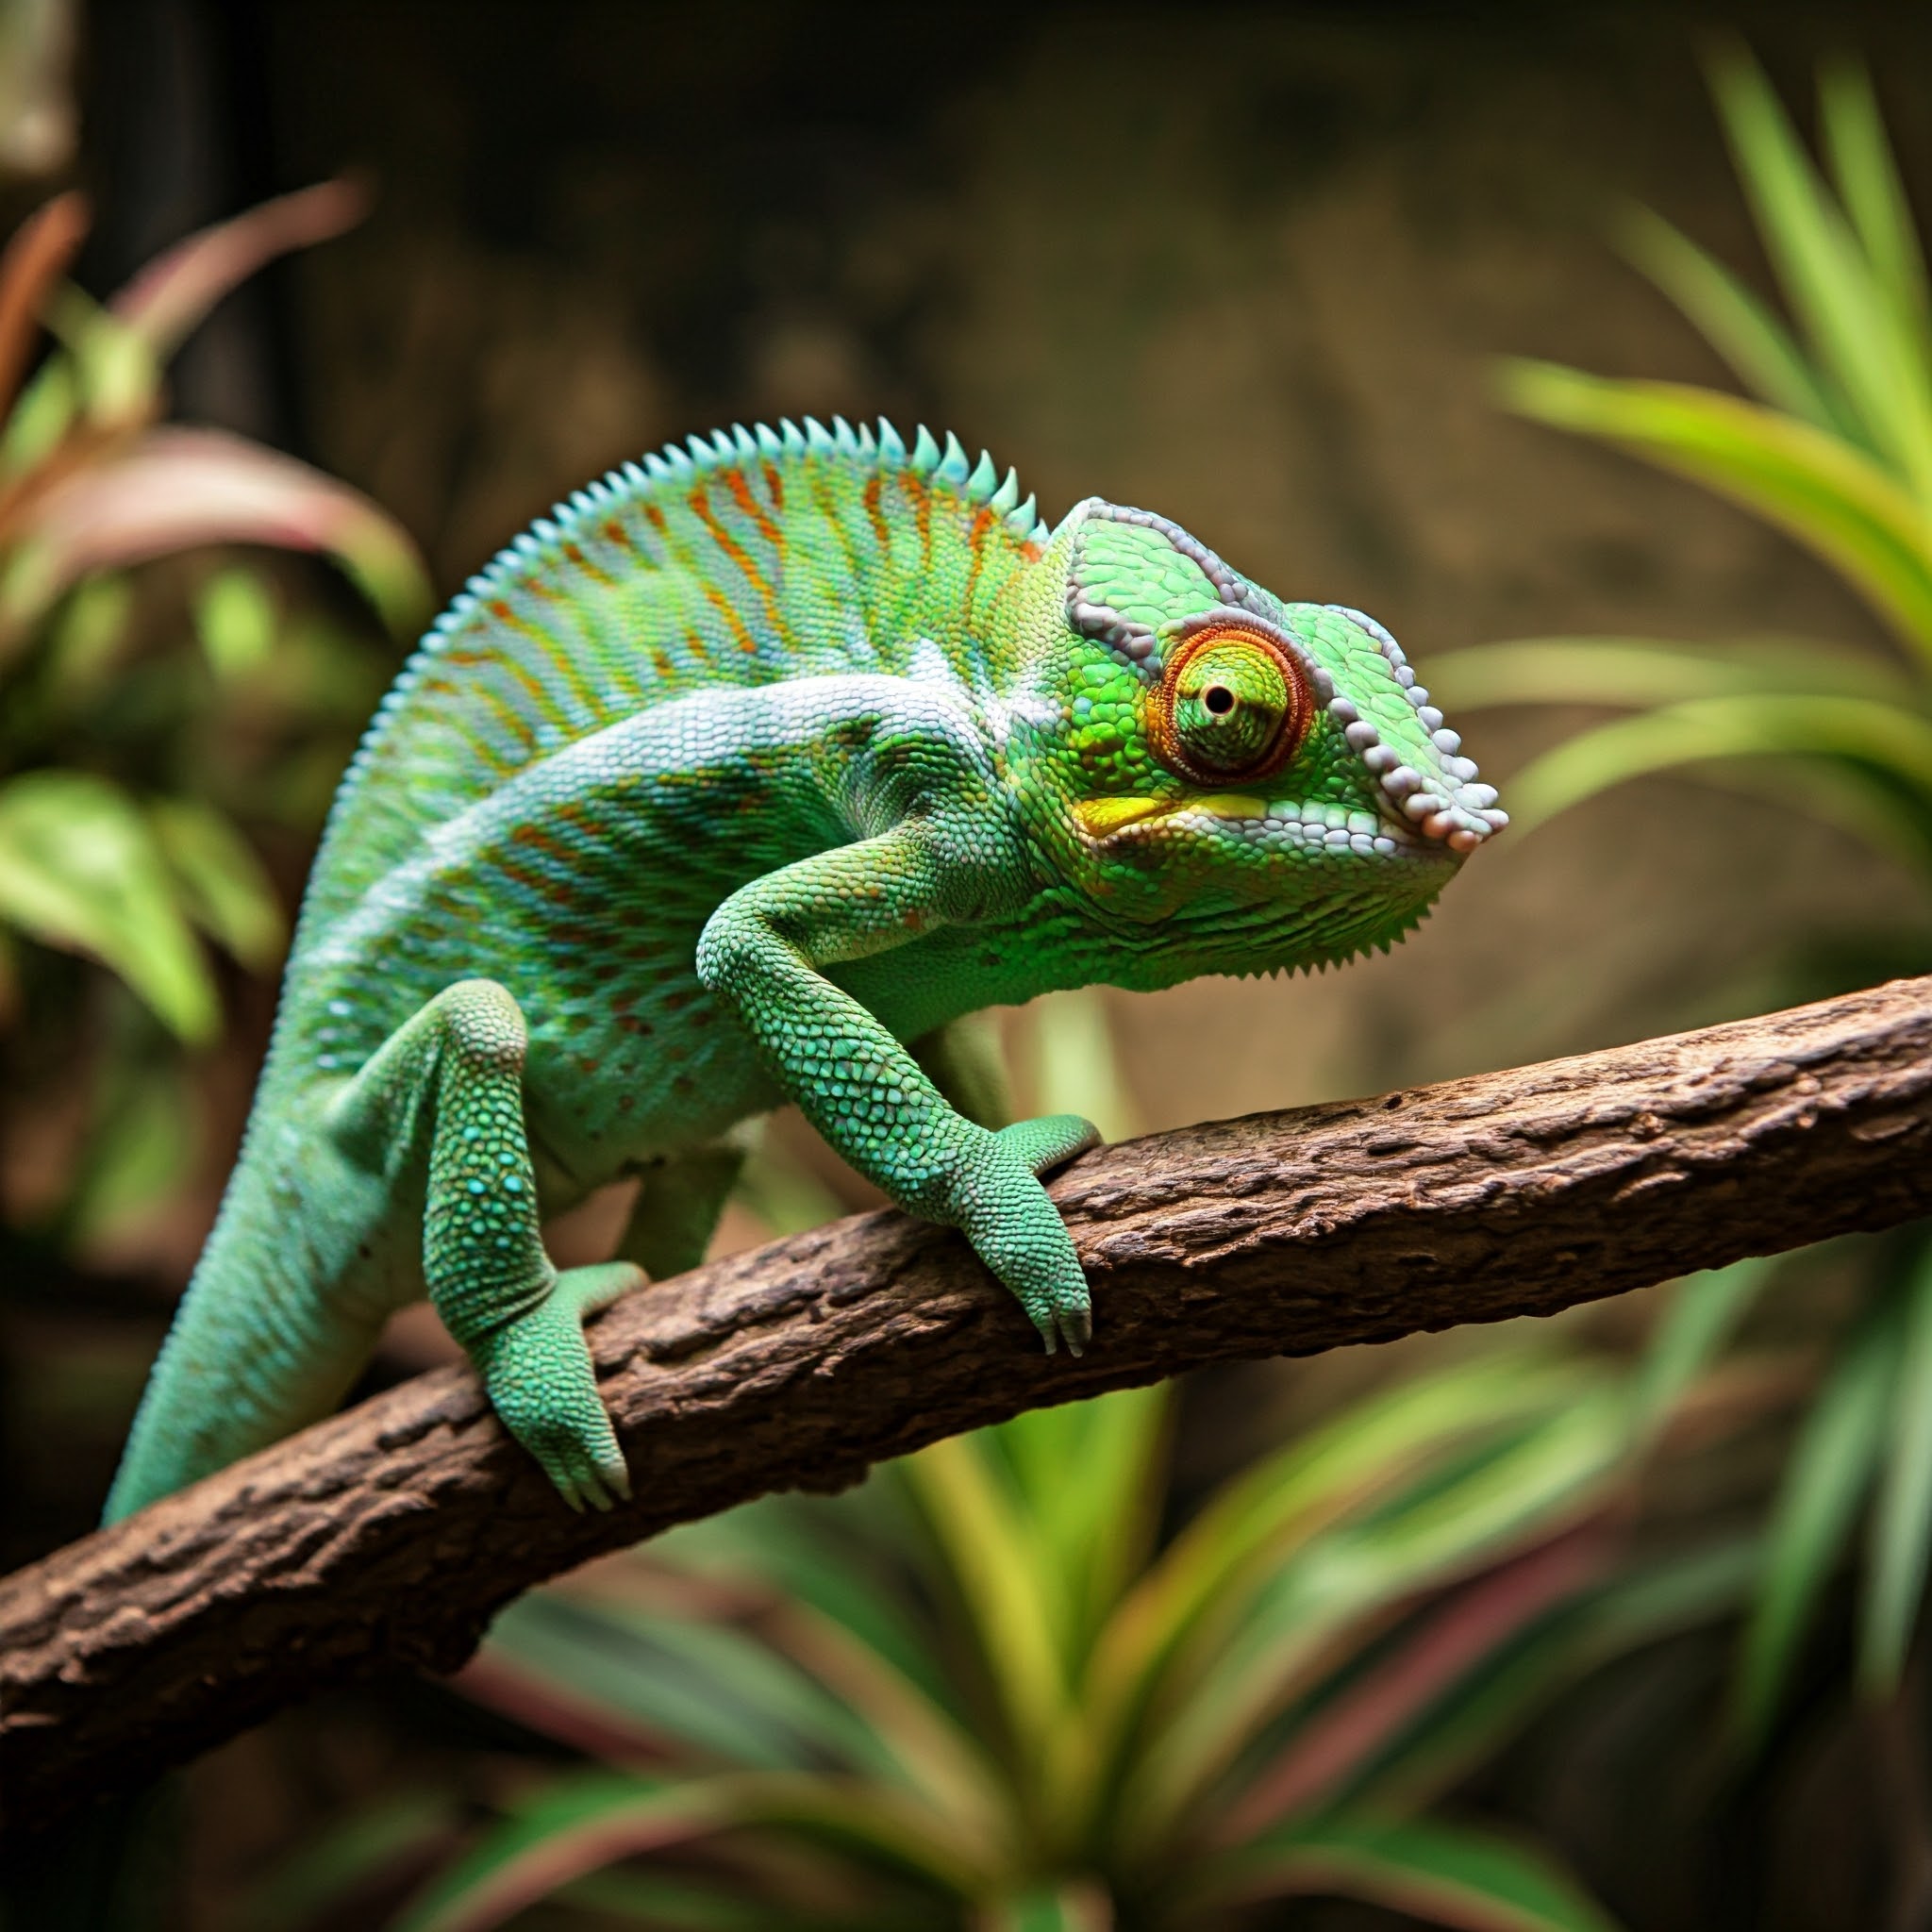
[(744, 780)]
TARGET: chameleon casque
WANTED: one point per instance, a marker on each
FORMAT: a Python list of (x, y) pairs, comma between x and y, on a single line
[(742, 778)]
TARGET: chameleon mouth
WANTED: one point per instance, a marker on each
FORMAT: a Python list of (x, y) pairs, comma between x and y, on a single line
[(1386, 834)]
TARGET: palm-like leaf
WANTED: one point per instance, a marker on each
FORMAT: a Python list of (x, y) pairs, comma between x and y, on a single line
[(1446, 1875), (1261, 1708), (1837, 451)]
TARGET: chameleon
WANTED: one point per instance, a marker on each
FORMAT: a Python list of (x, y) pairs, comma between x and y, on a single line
[(751, 774)]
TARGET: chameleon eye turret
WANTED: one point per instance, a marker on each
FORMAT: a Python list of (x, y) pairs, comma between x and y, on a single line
[(1233, 704)]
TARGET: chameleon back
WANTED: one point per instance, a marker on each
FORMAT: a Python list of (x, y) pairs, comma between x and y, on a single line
[(748, 558)]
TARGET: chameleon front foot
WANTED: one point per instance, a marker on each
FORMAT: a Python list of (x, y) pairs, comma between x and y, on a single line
[(1004, 1211), (536, 1370)]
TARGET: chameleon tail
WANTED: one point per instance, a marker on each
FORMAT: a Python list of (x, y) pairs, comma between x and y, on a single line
[(256, 1351)]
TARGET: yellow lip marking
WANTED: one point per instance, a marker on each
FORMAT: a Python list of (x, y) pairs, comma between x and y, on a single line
[(1100, 818)]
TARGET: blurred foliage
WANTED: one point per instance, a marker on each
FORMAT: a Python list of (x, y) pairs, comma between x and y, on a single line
[(1836, 450), (149, 725), (987, 1688)]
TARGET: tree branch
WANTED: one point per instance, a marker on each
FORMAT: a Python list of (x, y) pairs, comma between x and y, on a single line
[(394, 1532)]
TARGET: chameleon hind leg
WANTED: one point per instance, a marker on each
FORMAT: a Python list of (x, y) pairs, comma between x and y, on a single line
[(679, 1200), (453, 1074)]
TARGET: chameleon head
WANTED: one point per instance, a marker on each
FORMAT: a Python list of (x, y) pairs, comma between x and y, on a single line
[(1262, 784)]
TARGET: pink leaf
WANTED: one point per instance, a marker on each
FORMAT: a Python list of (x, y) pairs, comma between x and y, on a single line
[(178, 487), (165, 301), (1454, 1640)]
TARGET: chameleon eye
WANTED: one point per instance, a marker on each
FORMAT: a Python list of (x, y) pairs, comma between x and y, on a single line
[(1233, 704)]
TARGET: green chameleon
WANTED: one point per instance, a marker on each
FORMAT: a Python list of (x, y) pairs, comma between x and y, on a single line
[(744, 778)]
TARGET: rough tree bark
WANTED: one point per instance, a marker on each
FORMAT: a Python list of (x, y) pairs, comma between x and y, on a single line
[(394, 1532)]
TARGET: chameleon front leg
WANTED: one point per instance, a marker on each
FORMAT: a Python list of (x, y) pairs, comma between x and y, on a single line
[(862, 1090), (454, 1073)]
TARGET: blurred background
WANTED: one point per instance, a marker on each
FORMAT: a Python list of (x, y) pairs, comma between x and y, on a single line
[(1606, 1623)]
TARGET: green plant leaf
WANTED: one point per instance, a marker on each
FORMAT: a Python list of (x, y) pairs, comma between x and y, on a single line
[(1869, 185), (1260, 1520), (1829, 1471), (1639, 673), (87, 634), (221, 884), (1741, 327), (578, 1826), (1329, 1600), (142, 1146), (80, 869), (707, 1687), (41, 418), (1444, 1645), (1088, 1476), (1453, 1875), (1635, 1605), (117, 379), (1705, 1310), (1826, 275), (1850, 798), (1902, 1520), (1855, 733), (991, 1556), (1833, 498)]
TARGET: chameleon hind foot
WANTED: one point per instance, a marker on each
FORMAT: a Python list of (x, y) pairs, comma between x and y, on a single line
[(536, 1370)]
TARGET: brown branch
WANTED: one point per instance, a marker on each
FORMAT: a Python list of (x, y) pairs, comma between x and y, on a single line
[(394, 1532)]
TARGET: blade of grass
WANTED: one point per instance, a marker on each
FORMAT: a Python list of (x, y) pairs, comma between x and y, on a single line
[(1902, 1520), (1704, 1312), (1830, 1469)]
